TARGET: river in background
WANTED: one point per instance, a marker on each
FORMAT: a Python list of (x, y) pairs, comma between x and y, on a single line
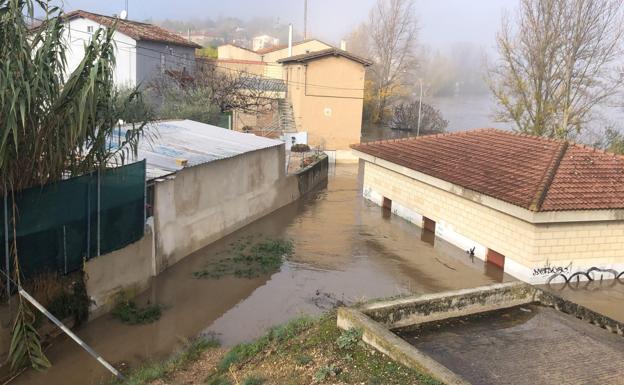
[(346, 249), (465, 112)]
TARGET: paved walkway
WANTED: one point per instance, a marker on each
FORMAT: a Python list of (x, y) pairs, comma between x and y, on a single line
[(517, 347)]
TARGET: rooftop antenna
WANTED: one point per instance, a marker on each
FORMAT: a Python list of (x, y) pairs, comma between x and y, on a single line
[(123, 15), (126, 9), (305, 19)]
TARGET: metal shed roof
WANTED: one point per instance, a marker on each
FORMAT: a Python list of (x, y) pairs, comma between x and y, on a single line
[(195, 142)]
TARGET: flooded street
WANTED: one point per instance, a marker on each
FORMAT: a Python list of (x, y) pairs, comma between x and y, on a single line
[(345, 250)]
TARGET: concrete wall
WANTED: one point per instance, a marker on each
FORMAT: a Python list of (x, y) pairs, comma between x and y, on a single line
[(331, 116), (195, 207), (127, 268), (204, 203), (533, 251)]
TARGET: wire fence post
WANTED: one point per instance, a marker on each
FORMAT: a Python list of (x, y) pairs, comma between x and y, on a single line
[(7, 258), (99, 187), (89, 218)]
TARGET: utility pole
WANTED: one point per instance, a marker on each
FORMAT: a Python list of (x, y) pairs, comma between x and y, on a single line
[(419, 107), (305, 19)]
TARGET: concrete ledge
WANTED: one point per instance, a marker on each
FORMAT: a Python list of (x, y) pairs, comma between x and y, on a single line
[(379, 337), (409, 311)]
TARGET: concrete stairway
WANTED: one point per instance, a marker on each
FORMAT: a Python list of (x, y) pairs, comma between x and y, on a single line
[(286, 116)]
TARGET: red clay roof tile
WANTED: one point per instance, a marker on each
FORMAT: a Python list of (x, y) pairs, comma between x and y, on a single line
[(134, 29), (535, 173)]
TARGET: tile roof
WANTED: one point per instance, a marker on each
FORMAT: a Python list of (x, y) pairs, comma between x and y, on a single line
[(134, 29), (322, 53), (535, 173)]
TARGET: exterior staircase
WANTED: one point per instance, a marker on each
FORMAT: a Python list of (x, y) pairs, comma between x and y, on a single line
[(286, 116)]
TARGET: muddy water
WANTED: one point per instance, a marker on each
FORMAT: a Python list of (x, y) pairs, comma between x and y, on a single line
[(346, 249), (604, 297)]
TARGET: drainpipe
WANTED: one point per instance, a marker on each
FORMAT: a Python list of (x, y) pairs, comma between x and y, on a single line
[(290, 33)]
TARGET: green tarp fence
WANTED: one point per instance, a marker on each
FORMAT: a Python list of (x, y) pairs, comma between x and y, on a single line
[(62, 224)]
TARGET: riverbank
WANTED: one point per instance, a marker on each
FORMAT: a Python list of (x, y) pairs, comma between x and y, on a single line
[(302, 351)]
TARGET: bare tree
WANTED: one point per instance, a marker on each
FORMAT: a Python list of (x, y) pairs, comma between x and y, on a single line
[(557, 63), (212, 90), (393, 32), (405, 118)]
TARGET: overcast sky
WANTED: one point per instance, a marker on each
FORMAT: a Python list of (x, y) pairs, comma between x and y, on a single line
[(442, 21)]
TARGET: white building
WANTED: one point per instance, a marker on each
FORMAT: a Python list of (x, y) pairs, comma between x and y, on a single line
[(142, 51), (264, 41)]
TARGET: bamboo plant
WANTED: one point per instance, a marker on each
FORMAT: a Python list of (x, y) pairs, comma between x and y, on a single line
[(55, 122)]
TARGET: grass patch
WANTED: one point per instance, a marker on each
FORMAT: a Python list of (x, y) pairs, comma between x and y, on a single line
[(301, 352), (253, 380), (127, 311), (154, 371), (250, 259)]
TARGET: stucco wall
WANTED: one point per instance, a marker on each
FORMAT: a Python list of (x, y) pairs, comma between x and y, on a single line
[(151, 55), (530, 249), (229, 51), (331, 116), (204, 203), (297, 49), (77, 35)]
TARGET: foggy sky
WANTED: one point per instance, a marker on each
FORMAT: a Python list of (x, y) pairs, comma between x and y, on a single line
[(442, 22)]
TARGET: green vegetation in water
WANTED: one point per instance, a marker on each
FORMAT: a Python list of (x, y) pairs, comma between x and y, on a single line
[(154, 371), (249, 260), (127, 311)]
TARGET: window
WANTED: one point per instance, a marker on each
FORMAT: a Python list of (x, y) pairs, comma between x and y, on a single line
[(90, 29)]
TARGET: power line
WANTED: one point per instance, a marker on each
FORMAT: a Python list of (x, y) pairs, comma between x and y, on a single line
[(288, 82)]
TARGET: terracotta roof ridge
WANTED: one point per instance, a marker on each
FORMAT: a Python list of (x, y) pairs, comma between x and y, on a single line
[(549, 176), (421, 137)]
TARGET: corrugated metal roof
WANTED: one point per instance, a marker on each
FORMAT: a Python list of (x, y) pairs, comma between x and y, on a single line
[(195, 142)]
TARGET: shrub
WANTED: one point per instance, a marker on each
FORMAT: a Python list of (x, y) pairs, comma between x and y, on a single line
[(300, 147)]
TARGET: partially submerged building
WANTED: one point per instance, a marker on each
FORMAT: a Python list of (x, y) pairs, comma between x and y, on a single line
[(203, 183), (533, 206)]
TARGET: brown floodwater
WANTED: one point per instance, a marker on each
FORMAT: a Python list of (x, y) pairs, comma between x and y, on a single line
[(346, 249), (602, 296)]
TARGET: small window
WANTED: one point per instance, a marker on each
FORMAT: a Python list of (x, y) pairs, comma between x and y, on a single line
[(90, 29), (170, 51)]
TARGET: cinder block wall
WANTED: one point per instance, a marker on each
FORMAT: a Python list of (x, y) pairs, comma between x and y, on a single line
[(528, 248)]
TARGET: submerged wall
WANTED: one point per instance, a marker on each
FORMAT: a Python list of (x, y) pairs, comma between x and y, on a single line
[(533, 251), (195, 207), (201, 204)]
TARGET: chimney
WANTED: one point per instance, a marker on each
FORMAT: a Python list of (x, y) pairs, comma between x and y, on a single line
[(290, 32), (343, 45)]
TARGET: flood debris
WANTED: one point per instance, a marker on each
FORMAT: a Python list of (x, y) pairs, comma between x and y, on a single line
[(249, 258)]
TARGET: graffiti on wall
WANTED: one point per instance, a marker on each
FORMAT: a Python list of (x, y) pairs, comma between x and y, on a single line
[(591, 274)]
